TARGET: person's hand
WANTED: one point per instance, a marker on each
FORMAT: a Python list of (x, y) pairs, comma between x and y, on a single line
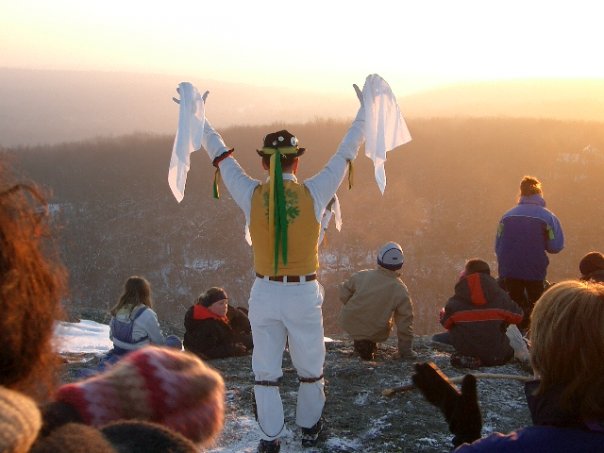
[(203, 97), (461, 410), (361, 112), (358, 92)]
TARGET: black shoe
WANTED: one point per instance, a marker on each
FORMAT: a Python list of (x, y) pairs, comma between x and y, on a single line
[(310, 436), (269, 446), (366, 349)]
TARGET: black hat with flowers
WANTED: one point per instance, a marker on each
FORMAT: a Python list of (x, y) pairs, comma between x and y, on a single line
[(282, 141)]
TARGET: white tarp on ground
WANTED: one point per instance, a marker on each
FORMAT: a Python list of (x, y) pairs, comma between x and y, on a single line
[(82, 337)]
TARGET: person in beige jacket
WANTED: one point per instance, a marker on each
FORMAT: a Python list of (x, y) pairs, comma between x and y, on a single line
[(375, 299)]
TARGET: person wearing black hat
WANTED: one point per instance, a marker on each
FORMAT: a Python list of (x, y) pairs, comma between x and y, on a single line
[(477, 317), (374, 299), (283, 218), (591, 267), (525, 235), (212, 332)]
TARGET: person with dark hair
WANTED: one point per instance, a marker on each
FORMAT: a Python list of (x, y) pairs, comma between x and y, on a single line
[(211, 333), (566, 402), (283, 219), (526, 233), (477, 317), (129, 409), (375, 299), (591, 267), (133, 322)]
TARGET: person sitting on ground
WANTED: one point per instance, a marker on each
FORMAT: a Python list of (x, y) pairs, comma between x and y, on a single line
[(566, 403), (34, 417), (211, 333), (133, 323), (591, 267), (372, 299), (477, 318)]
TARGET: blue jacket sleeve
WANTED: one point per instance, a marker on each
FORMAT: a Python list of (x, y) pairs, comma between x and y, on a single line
[(555, 236)]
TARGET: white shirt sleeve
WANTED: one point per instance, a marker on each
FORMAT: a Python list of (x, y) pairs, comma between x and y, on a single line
[(324, 184), (239, 184)]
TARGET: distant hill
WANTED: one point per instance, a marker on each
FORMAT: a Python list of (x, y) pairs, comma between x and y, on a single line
[(49, 107), (445, 193)]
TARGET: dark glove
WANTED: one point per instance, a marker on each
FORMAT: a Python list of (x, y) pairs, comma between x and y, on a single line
[(461, 410)]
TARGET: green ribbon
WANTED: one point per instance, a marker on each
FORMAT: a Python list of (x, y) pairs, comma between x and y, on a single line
[(280, 213)]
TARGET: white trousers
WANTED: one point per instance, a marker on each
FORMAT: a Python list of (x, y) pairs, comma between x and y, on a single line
[(280, 313)]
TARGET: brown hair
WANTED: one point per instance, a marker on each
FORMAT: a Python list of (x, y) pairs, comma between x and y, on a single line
[(212, 295), (530, 186), (32, 284), (567, 336), (287, 162), (137, 290)]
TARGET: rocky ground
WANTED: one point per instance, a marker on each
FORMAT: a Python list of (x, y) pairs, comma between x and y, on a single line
[(358, 417)]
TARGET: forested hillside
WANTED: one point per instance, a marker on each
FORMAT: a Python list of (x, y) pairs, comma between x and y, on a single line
[(445, 193)]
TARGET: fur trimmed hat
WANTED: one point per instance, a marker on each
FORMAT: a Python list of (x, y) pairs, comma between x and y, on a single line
[(391, 256), (172, 388)]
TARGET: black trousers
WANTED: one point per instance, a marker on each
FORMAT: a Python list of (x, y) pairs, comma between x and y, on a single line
[(525, 293)]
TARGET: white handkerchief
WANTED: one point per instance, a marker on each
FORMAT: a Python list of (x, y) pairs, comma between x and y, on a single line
[(332, 210), (191, 119), (385, 127)]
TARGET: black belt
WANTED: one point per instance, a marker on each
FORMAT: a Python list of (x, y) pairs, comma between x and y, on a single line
[(289, 278)]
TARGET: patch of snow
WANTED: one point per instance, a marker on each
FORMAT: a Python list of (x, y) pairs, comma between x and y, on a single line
[(82, 337), (205, 264), (429, 441), (361, 399), (377, 427), (340, 444)]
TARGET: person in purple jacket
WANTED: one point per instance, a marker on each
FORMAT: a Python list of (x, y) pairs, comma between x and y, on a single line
[(566, 402), (526, 233)]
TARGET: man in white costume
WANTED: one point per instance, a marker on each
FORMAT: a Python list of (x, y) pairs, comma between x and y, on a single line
[(284, 219)]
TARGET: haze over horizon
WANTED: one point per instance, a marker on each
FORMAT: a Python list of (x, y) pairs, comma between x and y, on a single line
[(322, 46), (45, 107), (110, 67)]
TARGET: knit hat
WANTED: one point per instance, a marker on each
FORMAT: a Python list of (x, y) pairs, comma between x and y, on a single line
[(475, 265), (391, 256), (161, 385), (590, 263), (20, 421), (137, 436), (212, 296)]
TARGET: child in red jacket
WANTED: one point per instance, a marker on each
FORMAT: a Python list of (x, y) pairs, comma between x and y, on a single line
[(214, 329)]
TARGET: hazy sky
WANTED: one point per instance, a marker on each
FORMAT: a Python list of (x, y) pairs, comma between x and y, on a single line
[(319, 45)]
